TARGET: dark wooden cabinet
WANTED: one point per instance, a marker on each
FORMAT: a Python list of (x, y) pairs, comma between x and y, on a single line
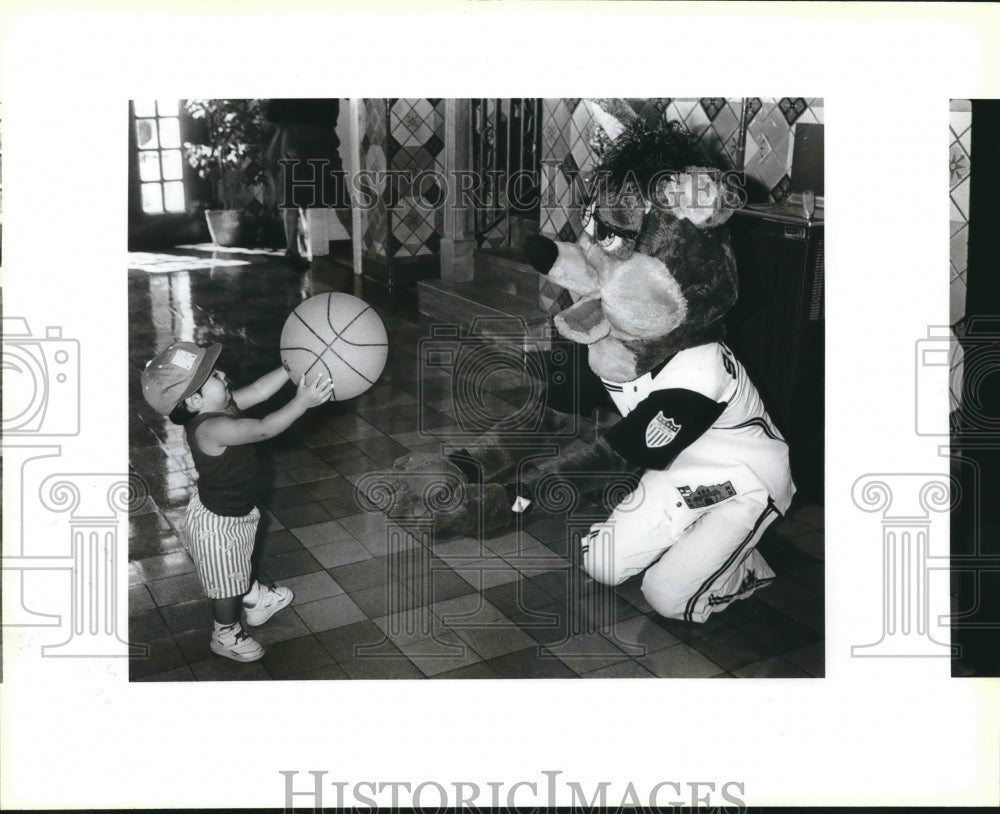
[(777, 326)]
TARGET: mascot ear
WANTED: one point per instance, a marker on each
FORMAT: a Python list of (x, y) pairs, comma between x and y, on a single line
[(699, 194)]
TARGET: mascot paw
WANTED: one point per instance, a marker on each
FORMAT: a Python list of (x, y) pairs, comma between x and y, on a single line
[(428, 487), (417, 487), (486, 462), (426, 465), (485, 509), (422, 485)]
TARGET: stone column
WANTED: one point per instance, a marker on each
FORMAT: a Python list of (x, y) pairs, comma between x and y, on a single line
[(400, 153), (458, 241)]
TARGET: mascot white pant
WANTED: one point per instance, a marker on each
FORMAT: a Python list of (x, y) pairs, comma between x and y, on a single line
[(693, 528)]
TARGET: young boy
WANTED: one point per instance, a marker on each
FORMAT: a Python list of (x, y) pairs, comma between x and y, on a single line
[(183, 383)]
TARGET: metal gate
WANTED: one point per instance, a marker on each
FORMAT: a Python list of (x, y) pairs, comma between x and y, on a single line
[(506, 156)]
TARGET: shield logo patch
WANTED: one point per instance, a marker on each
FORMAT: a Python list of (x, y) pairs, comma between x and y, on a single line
[(661, 431)]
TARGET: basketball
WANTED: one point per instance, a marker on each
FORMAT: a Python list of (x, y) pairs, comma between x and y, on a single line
[(335, 335)]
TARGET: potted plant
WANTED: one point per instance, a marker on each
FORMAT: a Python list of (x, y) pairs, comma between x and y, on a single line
[(231, 158)]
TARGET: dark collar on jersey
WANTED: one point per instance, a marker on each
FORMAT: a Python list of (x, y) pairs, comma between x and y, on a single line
[(656, 370), (618, 388)]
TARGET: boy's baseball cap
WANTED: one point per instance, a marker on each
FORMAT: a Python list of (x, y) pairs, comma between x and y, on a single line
[(176, 373)]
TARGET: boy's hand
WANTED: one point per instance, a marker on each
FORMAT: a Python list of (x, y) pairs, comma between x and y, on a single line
[(312, 394)]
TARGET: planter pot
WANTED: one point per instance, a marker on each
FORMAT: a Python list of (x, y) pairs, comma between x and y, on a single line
[(264, 231), (225, 226)]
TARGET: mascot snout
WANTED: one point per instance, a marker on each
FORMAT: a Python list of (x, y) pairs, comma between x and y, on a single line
[(564, 263)]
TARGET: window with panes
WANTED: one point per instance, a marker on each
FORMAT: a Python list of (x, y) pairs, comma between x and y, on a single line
[(160, 157)]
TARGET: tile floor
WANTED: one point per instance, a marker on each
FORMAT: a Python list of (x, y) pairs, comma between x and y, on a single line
[(372, 601)]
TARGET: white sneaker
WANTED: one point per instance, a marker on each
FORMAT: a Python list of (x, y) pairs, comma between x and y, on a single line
[(235, 643), (270, 600)]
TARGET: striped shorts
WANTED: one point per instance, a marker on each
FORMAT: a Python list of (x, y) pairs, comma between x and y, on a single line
[(221, 547)]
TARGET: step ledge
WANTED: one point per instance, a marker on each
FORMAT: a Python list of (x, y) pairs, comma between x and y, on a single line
[(509, 305)]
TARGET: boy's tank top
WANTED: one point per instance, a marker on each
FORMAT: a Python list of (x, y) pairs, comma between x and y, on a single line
[(227, 483)]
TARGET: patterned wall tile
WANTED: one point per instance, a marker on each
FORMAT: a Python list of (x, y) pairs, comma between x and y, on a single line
[(726, 122), (568, 128), (781, 189), (697, 120), (762, 145), (412, 121), (958, 163), (649, 110), (680, 109), (959, 169), (581, 125), (731, 147), (771, 139), (555, 120), (568, 143), (957, 371), (811, 115), (750, 150), (792, 108), (415, 140), (768, 150), (374, 140), (775, 127), (959, 248), (957, 294)]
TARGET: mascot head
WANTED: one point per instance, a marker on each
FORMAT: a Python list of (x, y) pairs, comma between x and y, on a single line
[(653, 272)]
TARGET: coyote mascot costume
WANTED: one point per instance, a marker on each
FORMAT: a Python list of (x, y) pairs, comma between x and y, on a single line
[(652, 277)]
